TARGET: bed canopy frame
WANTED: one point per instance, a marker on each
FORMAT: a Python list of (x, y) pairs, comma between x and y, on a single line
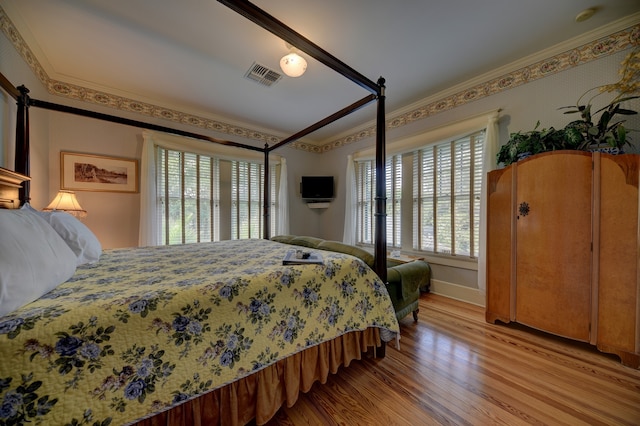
[(271, 24)]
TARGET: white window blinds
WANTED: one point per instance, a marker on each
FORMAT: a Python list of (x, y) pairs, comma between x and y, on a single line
[(247, 194), (447, 182), (187, 197), (366, 189)]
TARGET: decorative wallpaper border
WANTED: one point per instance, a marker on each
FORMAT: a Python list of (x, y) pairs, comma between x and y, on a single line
[(597, 49), (588, 52), (84, 94)]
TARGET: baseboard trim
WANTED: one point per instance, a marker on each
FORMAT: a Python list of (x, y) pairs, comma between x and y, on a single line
[(458, 292)]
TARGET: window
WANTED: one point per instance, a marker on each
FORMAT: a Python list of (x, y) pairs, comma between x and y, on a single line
[(187, 197), (366, 189), (447, 179), (201, 193), (247, 194), (189, 202), (366, 192), (443, 212), (393, 173)]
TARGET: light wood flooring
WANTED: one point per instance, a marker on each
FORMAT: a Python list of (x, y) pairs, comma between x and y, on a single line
[(453, 368)]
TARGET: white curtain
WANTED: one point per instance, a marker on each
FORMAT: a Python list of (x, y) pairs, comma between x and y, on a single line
[(283, 201), (147, 235), (489, 162), (350, 207)]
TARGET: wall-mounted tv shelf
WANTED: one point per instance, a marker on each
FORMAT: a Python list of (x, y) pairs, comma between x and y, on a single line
[(318, 205)]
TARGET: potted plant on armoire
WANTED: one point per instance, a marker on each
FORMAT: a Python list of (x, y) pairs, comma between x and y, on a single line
[(602, 129)]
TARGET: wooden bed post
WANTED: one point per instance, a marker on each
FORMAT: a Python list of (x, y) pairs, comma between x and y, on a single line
[(21, 161), (380, 252), (266, 198)]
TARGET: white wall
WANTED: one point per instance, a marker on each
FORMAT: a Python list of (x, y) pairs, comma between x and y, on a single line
[(114, 217)]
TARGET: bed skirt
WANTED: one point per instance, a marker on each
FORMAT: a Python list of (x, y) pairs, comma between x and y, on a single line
[(260, 395)]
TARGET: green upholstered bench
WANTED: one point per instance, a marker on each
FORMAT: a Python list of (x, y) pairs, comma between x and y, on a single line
[(405, 280)]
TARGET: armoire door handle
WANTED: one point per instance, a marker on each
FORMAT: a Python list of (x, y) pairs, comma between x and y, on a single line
[(524, 209)]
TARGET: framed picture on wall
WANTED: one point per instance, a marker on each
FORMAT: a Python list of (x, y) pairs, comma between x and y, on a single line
[(88, 172)]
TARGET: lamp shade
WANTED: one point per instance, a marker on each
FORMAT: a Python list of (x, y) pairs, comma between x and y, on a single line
[(66, 201), (293, 65)]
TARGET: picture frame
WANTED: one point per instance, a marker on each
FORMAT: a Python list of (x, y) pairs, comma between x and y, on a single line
[(90, 172)]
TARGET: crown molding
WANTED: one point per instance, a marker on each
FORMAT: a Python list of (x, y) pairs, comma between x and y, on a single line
[(81, 92), (606, 40)]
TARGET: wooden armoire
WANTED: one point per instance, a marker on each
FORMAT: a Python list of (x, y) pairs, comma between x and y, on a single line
[(563, 248)]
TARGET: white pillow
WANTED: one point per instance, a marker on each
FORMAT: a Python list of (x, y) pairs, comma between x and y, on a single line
[(78, 237), (33, 259)]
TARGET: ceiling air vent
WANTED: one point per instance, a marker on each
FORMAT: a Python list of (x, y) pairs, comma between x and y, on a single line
[(263, 75)]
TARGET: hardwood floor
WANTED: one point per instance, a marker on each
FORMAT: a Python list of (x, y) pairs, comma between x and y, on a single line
[(453, 368)]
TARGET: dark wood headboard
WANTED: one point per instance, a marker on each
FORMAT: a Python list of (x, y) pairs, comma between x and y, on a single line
[(10, 184)]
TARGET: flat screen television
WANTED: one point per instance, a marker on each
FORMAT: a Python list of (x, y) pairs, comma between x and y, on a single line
[(316, 188)]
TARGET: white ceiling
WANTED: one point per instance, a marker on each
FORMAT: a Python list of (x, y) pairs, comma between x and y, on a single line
[(191, 55)]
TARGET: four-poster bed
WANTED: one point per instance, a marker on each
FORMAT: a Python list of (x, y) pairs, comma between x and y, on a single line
[(256, 390)]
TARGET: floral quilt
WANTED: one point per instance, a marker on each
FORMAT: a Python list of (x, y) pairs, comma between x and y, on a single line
[(147, 328)]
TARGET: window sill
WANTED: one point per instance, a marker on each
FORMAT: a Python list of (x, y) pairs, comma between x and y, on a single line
[(470, 263), (445, 260)]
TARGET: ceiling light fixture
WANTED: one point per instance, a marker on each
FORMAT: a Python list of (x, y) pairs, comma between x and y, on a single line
[(586, 14), (293, 64)]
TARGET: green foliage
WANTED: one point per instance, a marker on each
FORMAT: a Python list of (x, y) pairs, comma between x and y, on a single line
[(605, 131), (602, 128), (534, 142), (580, 134)]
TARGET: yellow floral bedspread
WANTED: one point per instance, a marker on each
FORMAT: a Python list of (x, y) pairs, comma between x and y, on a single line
[(145, 329)]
